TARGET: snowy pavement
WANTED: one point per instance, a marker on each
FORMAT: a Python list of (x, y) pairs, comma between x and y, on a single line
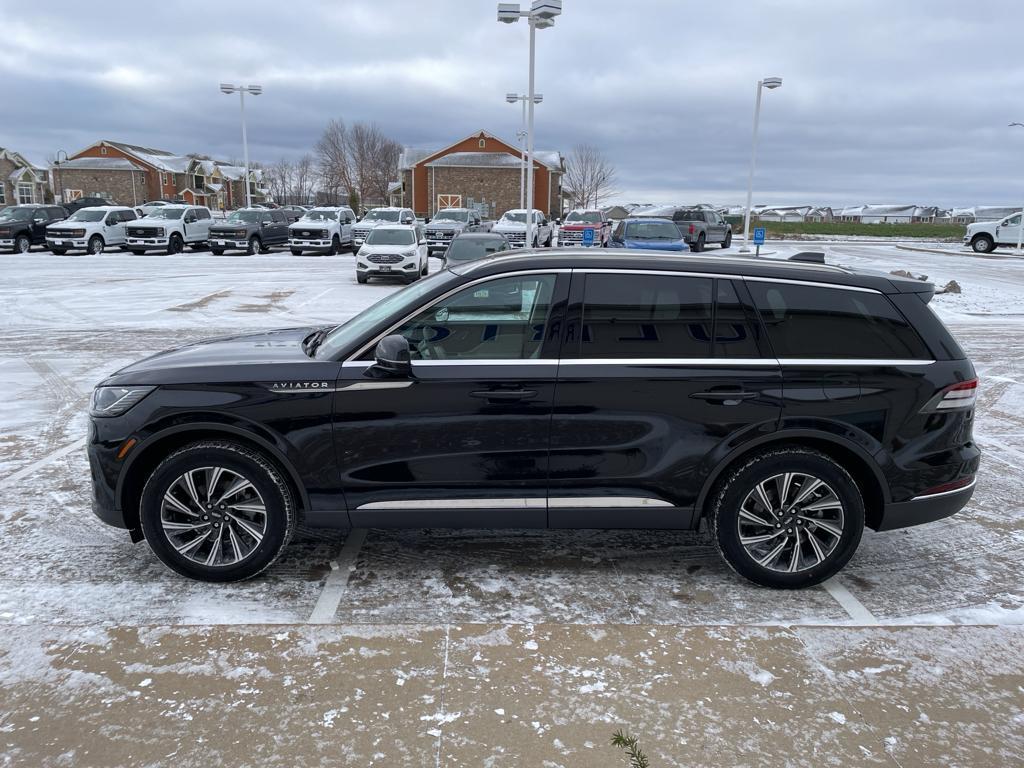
[(478, 647)]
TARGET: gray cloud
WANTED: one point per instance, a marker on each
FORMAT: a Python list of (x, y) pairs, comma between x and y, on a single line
[(882, 101)]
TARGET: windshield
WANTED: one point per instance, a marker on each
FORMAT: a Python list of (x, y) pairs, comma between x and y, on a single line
[(588, 217), (379, 215), (451, 216), (517, 217), (167, 213), (391, 237), (396, 306), (249, 217), (16, 214), (321, 214), (651, 230), (469, 248), (87, 214)]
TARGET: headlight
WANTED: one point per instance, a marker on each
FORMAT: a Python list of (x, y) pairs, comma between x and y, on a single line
[(113, 401)]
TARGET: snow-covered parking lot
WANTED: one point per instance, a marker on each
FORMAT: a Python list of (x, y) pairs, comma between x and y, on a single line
[(478, 647)]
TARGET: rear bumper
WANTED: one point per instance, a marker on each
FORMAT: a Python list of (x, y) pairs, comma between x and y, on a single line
[(925, 509)]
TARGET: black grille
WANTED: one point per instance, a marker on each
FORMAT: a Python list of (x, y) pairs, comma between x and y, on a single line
[(314, 233), (384, 258), (440, 234), (141, 232)]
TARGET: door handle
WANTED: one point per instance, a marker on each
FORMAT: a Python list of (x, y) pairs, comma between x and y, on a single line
[(724, 397), (504, 395)]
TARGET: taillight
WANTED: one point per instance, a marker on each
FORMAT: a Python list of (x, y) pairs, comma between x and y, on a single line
[(955, 397), (692, 229)]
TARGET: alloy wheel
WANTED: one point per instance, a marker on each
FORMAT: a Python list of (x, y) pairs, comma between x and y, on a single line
[(791, 522), (213, 516)]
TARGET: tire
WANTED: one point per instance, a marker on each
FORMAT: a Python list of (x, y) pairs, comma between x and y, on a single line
[(237, 462), (96, 245), (983, 244), (335, 246), (137, 252), (22, 244), (728, 241), (58, 251), (175, 244), (698, 247), (361, 278), (551, 240), (814, 564), (217, 251), (296, 251), (426, 267), (254, 246)]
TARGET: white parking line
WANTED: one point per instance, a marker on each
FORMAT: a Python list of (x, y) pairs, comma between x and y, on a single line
[(854, 607), (337, 580), (24, 472)]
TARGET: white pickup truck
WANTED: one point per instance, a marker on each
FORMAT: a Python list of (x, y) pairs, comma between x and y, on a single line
[(170, 228), (513, 226), (322, 230), (985, 236)]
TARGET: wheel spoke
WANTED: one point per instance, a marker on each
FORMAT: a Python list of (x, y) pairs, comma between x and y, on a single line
[(184, 549), (213, 475), (818, 553), (190, 486), (763, 498), (247, 527), (774, 553), (825, 526), (794, 559), (822, 504), (236, 545), (241, 485), (170, 525), (251, 507), (178, 506), (786, 481), (754, 518), (808, 488), (760, 539), (215, 549)]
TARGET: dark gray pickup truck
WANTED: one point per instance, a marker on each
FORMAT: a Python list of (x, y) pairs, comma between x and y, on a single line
[(699, 226), (448, 223), (250, 229)]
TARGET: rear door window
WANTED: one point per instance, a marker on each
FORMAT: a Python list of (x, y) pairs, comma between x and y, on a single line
[(806, 321), (736, 329), (646, 316)]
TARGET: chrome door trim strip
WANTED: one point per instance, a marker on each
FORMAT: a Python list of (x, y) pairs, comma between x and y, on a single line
[(926, 496), (808, 282), (551, 361), (839, 362), (521, 503), (362, 350), (357, 386), (605, 502), (680, 361)]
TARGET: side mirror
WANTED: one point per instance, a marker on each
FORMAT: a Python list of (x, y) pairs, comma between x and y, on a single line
[(426, 220), (265, 223), (558, 222), (392, 355)]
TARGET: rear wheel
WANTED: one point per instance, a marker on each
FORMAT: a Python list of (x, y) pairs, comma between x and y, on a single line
[(217, 511), (788, 518), (95, 245), (983, 244), (699, 245), (728, 240)]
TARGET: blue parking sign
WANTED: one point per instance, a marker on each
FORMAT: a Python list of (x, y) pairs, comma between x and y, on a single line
[(758, 235), (588, 236)]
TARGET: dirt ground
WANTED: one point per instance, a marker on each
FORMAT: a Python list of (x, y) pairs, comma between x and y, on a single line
[(477, 648)]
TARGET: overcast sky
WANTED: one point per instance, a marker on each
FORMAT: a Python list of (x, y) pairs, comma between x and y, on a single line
[(883, 101)]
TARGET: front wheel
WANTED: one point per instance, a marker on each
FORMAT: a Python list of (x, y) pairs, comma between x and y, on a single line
[(335, 246), (137, 251), (296, 251), (361, 278), (217, 251), (788, 518), (254, 246), (175, 245), (217, 511), (22, 244), (58, 251), (983, 244), (95, 245)]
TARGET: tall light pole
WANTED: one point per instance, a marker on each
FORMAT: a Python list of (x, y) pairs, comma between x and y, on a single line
[(241, 90), (771, 83), (512, 98), (60, 176), (541, 15), (1020, 229)]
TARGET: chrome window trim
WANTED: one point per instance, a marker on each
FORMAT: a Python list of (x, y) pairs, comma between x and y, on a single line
[(681, 362), (362, 350), (673, 361), (553, 362), (788, 281), (844, 361)]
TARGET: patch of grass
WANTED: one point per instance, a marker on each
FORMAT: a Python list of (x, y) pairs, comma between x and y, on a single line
[(783, 229)]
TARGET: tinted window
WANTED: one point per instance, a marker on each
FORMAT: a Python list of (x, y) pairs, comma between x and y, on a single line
[(736, 332), (468, 249), (277, 216), (128, 216), (807, 321), (202, 213), (502, 319), (646, 316)]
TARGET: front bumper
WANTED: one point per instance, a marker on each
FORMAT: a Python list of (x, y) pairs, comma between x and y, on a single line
[(925, 509), (105, 470), (407, 267), (6, 243), (148, 243), (310, 245), (62, 242), (227, 242)]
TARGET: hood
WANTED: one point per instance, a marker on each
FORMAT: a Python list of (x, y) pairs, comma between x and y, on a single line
[(446, 225), (227, 358), (657, 245), (153, 223), (223, 226), (366, 248), (510, 226), (370, 224), (310, 225)]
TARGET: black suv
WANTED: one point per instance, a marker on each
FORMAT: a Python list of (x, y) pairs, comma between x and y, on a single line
[(788, 404), (251, 230), (22, 226)]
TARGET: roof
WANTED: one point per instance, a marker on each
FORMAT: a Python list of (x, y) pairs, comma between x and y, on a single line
[(411, 156), (158, 158), (619, 259), (477, 160), (17, 158), (99, 164)]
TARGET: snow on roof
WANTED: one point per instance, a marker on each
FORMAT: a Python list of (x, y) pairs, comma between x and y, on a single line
[(17, 173), (477, 160), (99, 164), (394, 186), (411, 156)]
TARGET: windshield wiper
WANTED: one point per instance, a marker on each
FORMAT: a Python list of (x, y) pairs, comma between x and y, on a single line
[(312, 342)]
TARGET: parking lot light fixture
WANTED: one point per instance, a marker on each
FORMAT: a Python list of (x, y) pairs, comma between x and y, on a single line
[(512, 98), (241, 90), (1020, 229), (771, 83), (541, 15)]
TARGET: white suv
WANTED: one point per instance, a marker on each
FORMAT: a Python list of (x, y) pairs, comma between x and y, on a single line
[(322, 230), (90, 229), (170, 228), (381, 217), (393, 250)]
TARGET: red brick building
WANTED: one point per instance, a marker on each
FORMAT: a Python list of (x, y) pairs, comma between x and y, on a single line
[(480, 170)]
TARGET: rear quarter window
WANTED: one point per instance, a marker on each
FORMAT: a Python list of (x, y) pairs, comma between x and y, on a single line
[(804, 321)]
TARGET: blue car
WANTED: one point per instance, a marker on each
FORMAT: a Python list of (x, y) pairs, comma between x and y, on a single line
[(648, 234)]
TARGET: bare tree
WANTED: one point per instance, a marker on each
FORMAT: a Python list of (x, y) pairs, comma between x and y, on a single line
[(359, 159), (589, 177), (304, 179), (333, 159)]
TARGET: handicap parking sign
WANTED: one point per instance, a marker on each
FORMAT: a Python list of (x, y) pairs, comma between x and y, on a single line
[(588, 236), (758, 235)]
